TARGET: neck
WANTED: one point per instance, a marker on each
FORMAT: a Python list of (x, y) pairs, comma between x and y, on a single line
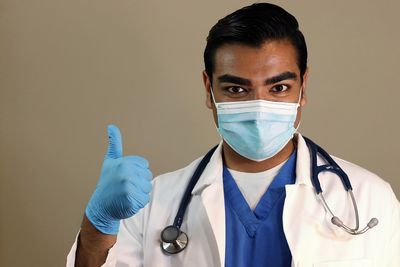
[(237, 162)]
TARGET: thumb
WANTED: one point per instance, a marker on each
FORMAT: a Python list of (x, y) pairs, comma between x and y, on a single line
[(114, 150)]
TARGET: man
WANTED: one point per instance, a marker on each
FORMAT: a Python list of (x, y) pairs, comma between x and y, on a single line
[(254, 204)]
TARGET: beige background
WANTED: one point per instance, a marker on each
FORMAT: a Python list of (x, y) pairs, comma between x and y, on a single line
[(68, 68)]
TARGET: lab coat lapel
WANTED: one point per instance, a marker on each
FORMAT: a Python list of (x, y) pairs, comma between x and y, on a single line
[(328, 182), (211, 192), (304, 217), (301, 209)]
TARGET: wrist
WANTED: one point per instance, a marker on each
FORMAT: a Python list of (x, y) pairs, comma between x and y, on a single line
[(93, 246), (92, 239)]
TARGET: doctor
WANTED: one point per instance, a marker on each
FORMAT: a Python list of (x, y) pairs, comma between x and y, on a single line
[(254, 204)]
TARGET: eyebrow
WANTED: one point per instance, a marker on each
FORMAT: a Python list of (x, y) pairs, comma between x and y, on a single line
[(228, 78), (287, 75)]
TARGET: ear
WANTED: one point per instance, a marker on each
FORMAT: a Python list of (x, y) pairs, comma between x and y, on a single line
[(303, 100), (207, 85)]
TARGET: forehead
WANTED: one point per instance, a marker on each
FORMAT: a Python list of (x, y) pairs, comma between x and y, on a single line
[(272, 58)]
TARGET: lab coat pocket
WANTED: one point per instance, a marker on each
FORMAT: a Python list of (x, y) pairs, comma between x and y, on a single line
[(345, 263)]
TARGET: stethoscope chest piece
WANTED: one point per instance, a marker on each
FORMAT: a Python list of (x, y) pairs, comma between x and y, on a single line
[(173, 240)]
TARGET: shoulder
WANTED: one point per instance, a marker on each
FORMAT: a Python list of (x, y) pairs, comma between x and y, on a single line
[(175, 182), (360, 174), (177, 175), (365, 180), (166, 195)]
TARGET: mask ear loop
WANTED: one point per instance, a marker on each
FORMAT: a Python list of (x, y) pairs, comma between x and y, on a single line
[(215, 104), (300, 97), (298, 105), (212, 96)]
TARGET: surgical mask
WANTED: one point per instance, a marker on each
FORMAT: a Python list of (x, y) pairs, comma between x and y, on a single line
[(256, 129)]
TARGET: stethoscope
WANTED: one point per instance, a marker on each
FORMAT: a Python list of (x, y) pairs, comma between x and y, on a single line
[(174, 240)]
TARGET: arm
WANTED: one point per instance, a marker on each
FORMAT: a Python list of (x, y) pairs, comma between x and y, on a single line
[(393, 245), (97, 248), (387, 244), (93, 246)]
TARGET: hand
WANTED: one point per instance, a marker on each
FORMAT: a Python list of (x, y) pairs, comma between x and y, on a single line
[(123, 189)]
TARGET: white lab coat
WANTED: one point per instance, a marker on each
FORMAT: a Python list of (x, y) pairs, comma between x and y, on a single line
[(312, 239)]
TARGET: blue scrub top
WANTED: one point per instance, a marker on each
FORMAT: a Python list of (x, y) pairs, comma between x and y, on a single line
[(256, 238)]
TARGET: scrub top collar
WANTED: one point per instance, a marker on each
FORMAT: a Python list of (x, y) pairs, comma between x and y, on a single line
[(214, 170)]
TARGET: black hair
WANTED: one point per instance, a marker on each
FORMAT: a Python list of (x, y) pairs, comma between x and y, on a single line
[(254, 25)]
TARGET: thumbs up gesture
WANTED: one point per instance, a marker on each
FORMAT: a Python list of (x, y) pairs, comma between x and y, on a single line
[(123, 188)]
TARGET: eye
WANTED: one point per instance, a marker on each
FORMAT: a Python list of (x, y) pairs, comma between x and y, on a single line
[(235, 90), (280, 88)]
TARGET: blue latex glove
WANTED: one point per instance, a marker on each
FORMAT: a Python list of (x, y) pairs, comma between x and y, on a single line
[(123, 188)]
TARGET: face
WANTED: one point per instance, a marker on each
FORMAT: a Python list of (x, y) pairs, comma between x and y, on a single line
[(246, 73)]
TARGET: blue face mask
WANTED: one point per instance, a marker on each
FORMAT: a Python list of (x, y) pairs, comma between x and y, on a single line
[(256, 129)]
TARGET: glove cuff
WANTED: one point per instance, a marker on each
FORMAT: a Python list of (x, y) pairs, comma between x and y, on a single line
[(106, 226)]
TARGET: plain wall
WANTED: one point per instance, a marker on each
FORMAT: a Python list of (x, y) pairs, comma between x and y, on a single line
[(69, 68)]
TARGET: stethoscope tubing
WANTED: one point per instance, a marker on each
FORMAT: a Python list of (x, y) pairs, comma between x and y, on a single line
[(188, 192), (181, 240), (332, 166)]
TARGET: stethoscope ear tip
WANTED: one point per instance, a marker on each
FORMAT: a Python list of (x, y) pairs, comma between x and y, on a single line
[(373, 222), (336, 221)]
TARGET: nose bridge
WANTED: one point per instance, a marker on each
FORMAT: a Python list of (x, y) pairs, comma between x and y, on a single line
[(259, 93)]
